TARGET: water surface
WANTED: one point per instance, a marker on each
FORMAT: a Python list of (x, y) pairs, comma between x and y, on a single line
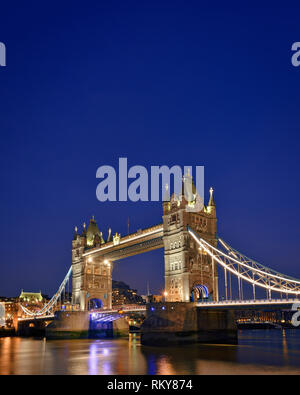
[(258, 352)]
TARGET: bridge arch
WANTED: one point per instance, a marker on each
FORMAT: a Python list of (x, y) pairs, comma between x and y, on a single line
[(94, 304), (199, 291)]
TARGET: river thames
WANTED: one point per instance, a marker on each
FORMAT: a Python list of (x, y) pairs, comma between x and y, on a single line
[(258, 352)]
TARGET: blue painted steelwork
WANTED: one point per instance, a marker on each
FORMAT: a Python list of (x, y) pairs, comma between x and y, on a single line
[(102, 317), (201, 290), (95, 304)]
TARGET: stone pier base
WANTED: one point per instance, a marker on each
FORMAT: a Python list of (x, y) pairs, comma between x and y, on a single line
[(181, 323), (80, 325), (112, 329), (69, 325)]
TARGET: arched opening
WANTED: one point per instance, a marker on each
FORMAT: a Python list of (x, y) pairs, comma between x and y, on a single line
[(95, 304), (199, 292)]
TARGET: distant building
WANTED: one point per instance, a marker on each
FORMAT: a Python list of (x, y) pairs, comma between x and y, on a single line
[(8, 299), (12, 306), (123, 294), (31, 297), (153, 298), (34, 301), (2, 315), (9, 311)]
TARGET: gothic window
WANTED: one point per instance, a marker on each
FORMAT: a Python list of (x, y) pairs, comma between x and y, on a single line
[(104, 272), (89, 271), (97, 271), (191, 263), (174, 218)]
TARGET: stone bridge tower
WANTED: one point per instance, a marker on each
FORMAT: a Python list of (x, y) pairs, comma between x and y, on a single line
[(187, 268), (92, 276)]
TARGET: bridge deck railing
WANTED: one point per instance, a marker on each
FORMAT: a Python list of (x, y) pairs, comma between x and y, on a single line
[(249, 301)]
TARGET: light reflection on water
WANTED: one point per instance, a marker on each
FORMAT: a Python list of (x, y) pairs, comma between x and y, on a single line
[(260, 351)]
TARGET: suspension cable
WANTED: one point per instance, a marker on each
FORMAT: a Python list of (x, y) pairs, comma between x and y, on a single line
[(264, 275), (52, 301)]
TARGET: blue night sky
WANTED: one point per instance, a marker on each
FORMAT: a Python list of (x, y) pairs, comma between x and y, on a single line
[(161, 83)]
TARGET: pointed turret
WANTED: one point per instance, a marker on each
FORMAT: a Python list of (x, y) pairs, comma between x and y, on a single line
[(211, 202), (83, 234), (188, 189), (109, 235), (75, 233), (211, 207), (166, 197), (101, 237), (92, 231)]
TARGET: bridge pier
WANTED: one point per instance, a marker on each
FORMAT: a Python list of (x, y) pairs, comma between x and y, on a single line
[(82, 325), (108, 329), (31, 328), (175, 323), (69, 325)]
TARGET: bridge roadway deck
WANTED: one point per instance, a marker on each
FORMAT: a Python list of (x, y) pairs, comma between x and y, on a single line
[(33, 318), (224, 304), (125, 309), (121, 308)]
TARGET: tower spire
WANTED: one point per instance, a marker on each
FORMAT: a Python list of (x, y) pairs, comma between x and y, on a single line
[(166, 197), (211, 198), (83, 234), (75, 233), (109, 235)]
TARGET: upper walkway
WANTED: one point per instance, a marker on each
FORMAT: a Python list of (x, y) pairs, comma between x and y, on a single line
[(141, 241)]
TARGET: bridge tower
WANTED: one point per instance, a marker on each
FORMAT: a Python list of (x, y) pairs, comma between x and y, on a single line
[(92, 276), (189, 272)]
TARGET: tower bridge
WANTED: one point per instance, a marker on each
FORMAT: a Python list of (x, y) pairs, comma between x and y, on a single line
[(193, 257)]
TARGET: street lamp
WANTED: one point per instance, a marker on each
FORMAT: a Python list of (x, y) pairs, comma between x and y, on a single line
[(165, 295)]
